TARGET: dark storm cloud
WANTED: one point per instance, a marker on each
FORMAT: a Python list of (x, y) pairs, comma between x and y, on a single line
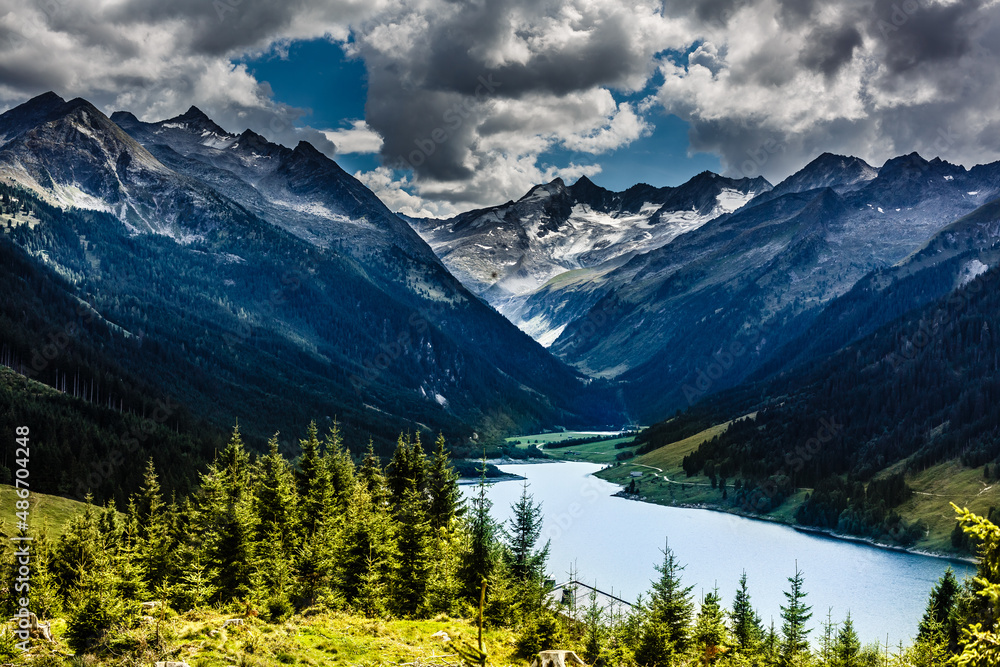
[(829, 48), (917, 33)]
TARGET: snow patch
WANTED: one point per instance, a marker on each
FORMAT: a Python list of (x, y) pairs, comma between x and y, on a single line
[(970, 271)]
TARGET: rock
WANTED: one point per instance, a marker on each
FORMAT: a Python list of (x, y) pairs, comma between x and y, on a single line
[(148, 620), (557, 659), (232, 621), (172, 663), (152, 604), (442, 635)]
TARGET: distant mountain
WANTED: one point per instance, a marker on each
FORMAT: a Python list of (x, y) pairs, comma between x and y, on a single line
[(520, 254), (264, 283), (717, 303)]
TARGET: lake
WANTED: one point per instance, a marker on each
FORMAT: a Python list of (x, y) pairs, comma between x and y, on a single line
[(614, 543)]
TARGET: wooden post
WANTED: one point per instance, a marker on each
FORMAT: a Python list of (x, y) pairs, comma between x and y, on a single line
[(482, 603)]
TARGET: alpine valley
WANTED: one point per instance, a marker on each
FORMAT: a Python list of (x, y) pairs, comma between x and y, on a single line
[(178, 269)]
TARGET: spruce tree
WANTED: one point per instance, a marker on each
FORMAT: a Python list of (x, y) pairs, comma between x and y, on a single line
[(710, 634), (670, 602), (527, 561), (442, 487), (154, 543), (413, 551), (314, 484), (340, 465), (399, 472), (746, 624), (794, 616), (276, 508), (939, 616), (228, 521), (481, 553), (847, 646), (370, 474), (366, 540)]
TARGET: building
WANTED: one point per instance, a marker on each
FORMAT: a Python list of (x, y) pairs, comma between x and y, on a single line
[(573, 598)]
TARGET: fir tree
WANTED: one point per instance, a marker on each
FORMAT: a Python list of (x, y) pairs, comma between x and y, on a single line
[(527, 562), (340, 465), (442, 487), (154, 543), (710, 629), (481, 554), (371, 475), (939, 616), (313, 482), (276, 505), (795, 615), (847, 646), (413, 550), (670, 602), (747, 629)]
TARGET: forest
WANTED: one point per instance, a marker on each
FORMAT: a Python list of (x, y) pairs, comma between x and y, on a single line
[(270, 541)]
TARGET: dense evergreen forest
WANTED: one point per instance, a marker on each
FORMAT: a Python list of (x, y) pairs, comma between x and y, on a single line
[(268, 540), (919, 391)]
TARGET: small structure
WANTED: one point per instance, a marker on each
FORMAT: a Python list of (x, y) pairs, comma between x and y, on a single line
[(557, 659), (573, 598)]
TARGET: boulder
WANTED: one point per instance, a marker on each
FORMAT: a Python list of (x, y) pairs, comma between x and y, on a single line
[(232, 621), (172, 663), (442, 635), (557, 659)]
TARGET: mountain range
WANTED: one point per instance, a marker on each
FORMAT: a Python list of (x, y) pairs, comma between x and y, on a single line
[(250, 281)]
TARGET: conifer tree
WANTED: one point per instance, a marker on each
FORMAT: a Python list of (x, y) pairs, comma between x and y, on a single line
[(746, 624), (45, 599), (670, 603), (371, 475), (939, 616), (526, 560), (442, 487), (367, 540), (481, 553), (154, 543), (593, 622), (80, 550), (794, 616), (418, 464), (228, 520), (710, 634), (399, 472), (276, 508), (847, 646), (413, 561), (313, 482), (341, 466)]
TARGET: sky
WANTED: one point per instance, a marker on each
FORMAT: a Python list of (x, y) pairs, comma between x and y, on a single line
[(440, 106)]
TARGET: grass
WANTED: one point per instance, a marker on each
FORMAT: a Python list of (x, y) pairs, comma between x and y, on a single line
[(48, 513), (329, 638), (600, 451), (664, 482), (937, 487)]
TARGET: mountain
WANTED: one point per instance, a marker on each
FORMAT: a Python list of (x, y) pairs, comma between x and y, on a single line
[(261, 283), (520, 255), (717, 303)]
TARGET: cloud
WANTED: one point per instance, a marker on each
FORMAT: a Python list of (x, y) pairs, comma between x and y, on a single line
[(471, 100), (358, 138)]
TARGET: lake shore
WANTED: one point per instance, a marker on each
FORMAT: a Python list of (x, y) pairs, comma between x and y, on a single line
[(809, 530)]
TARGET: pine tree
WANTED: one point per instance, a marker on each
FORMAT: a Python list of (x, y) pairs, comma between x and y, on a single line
[(413, 550), (710, 629), (481, 553), (795, 615), (371, 475), (341, 466), (314, 484), (939, 616), (276, 508), (847, 646), (747, 629), (398, 471), (154, 543), (228, 521), (527, 562), (670, 602), (442, 487)]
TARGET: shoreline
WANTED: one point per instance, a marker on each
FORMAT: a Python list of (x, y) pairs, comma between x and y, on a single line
[(826, 533)]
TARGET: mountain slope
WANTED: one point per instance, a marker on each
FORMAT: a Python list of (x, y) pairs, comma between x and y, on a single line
[(341, 311), (703, 312), (517, 254)]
